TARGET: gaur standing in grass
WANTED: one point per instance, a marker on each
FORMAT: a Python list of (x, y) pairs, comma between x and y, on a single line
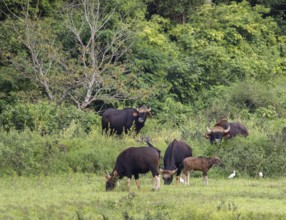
[(134, 161)]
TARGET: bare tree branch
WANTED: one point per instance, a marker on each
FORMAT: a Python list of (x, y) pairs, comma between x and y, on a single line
[(88, 69), (98, 54)]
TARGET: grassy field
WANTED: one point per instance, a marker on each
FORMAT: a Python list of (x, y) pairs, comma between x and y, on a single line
[(83, 196)]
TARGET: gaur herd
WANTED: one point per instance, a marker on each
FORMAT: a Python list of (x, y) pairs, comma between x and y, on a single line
[(178, 156)]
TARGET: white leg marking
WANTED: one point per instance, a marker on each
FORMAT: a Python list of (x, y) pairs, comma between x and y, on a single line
[(156, 182), (185, 179), (137, 183), (206, 180)]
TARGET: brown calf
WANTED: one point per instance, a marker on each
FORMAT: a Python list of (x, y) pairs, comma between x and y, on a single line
[(198, 164)]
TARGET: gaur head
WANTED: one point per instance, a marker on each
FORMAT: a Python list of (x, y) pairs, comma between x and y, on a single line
[(111, 180), (216, 161), (167, 175), (142, 114), (216, 134)]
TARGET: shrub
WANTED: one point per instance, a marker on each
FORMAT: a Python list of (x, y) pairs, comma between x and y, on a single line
[(46, 118), (174, 113), (244, 99), (27, 153)]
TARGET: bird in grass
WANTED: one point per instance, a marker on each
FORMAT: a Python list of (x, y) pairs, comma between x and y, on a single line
[(231, 176), (260, 174)]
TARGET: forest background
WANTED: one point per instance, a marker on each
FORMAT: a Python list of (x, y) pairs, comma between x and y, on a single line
[(63, 62)]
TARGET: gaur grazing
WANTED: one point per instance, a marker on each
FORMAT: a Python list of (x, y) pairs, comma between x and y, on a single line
[(175, 153), (134, 161), (198, 164), (123, 120), (225, 129)]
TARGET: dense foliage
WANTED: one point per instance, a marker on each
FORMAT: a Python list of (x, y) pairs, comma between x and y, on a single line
[(193, 62)]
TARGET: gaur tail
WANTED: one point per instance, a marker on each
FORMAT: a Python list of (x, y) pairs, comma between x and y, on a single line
[(151, 145)]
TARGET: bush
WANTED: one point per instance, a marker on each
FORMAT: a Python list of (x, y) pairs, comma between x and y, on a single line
[(46, 118), (244, 99), (174, 113), (28, 153)]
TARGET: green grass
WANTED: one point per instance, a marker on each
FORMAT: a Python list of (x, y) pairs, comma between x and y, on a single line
[(63, 194), (83, 196)]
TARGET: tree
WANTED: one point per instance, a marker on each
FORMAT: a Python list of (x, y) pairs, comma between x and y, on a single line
[(80, 59), (152, 54), (224, 44), (30, 46), (44, 8), (102, 37), (277, 9), (177, 11)]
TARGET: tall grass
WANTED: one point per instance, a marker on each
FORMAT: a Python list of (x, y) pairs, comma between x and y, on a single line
[(73, 150)]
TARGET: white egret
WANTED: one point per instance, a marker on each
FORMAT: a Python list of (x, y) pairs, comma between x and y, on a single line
[(231, 176)]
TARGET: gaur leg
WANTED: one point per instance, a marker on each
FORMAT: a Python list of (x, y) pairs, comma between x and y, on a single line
[(104, 126), (104, 129), (186, 177), (137, 180), (156, 179), (111, 131), (177, 180), (186, 174), (119, 131), (156, 183), (178, 175), (128, 182), (125, 130), (205, 178)]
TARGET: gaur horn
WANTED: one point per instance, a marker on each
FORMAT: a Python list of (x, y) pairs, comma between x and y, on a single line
[(172, 172), (115, 173), (107, 176), (209, 130), (227, 130), (169, 172)]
